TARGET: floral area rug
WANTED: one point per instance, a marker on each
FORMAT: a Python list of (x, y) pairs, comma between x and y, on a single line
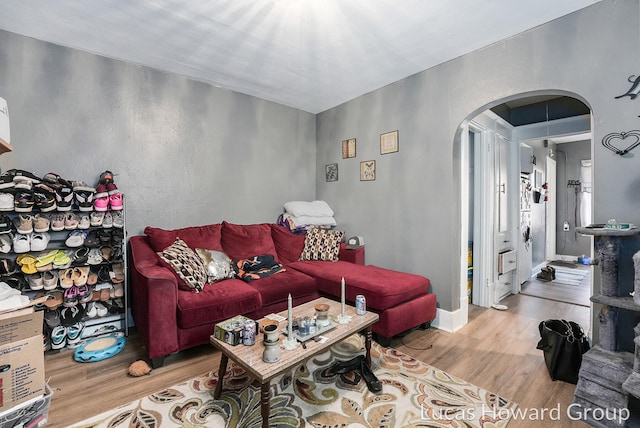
[(414, 394)]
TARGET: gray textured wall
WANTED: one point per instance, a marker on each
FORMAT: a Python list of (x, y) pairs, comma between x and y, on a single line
[(184, 152), (410, 215)]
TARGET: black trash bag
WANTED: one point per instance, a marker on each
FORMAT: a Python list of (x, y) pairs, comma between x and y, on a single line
[(563, 343)]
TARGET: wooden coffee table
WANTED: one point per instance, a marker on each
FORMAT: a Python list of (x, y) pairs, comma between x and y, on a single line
[(250, 357)]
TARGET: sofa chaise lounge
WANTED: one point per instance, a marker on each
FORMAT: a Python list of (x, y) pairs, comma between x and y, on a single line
[(171, 317)]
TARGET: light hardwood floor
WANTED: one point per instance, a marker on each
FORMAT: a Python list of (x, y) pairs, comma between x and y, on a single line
[(496, 351)]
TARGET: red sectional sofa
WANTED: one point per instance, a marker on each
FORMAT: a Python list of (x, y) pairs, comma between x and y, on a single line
[(170, 317)]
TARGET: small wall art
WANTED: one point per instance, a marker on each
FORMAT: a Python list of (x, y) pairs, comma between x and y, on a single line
[(368, 170), (349, 148), (331, 171), (389, 142)]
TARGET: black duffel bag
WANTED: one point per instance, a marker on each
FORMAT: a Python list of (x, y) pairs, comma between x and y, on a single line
[(563, 343)]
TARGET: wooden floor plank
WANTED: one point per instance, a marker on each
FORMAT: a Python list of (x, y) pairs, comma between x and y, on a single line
[(496, 351)]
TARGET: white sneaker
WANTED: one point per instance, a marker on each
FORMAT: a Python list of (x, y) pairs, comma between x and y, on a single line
[(118, 219), (39, 241), (6, 202), (85, 222), (21, 243), (5, 242), (97, 218), (107, 222)]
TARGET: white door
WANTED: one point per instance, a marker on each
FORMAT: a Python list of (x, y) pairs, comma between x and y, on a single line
[(550, 209), (504, 275)]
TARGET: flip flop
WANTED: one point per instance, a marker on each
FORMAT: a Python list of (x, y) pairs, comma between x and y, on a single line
[(46, 259), (55, 300), (106, 252), (61, 260), (118, 272), (66, 278), (80, 275)]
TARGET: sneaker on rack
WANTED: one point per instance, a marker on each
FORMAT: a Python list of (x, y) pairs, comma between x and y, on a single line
[(39, 241), (6, 180), (7, 202), (81, 186), (41, 223), (35, 281), (108, 220), (21, 243), (23, 223), (5, 242), (84, 199), (118, 219), (115, 201), (45, 198), (85, 222), (64, 197), (24, 201), (71, 221), (58, 337), (57, 222), (74, 333), (101, 204), (97, 218), (5, 224)]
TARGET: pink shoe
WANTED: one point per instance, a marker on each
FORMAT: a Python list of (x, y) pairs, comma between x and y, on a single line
[(115, 201), (101, 204)]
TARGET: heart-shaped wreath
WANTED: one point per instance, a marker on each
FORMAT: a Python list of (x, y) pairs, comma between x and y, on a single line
[(634, 136)]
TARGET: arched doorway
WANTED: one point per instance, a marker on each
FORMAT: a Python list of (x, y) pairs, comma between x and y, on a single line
[(498, 142)]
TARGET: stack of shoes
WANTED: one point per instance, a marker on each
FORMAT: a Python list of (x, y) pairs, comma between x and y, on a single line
[(360, 365), (107, 194)]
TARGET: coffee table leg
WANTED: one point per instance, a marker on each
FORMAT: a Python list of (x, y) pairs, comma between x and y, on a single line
[(221, 371), (367, 344), (264, 403)]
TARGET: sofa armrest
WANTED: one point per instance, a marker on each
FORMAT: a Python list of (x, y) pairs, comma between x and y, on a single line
[(154, 299), (352, 256)]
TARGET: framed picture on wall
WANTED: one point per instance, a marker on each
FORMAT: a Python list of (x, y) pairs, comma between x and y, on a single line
[(389, 142), (368, 170), (349, 148), (331, 172)]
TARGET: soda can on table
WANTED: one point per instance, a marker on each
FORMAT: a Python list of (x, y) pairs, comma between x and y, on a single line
[(249, 333), (361, 305)]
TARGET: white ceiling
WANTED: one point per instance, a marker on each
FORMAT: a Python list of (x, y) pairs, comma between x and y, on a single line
[(307, 54)]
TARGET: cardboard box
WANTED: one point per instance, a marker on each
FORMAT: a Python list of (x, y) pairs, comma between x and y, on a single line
[(230, 331), (21, 359)]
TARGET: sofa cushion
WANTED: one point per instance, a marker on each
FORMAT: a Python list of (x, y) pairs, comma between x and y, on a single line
[(216, 302), (186, 264), (245, 241), (322, 244), (196, 237), (276, 288), (383, 288), (288, 246)]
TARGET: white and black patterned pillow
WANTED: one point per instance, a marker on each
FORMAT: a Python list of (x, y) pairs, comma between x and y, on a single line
[(322, 244), (186, 263)]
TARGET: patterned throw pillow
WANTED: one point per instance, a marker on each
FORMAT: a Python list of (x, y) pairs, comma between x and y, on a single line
[(187, 264), (322, 244)]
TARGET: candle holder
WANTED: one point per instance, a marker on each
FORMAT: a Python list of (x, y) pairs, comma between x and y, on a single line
[(343, 319), (290, 343)]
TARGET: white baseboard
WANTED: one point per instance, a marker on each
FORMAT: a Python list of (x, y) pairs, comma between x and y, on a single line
[(450, 321)]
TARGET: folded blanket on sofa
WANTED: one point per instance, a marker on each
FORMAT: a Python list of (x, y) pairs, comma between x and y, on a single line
[(257, 267), (311, 209)]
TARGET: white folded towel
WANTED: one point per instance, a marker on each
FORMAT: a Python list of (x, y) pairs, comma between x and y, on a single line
[(312, 209), (309, 220)]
